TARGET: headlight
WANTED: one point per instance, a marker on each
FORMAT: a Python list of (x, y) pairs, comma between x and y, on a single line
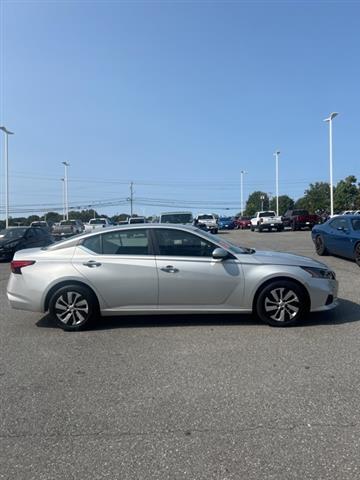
[(320, 272)]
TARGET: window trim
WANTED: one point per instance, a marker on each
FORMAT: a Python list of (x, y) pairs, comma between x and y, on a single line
[(157, 248), (147, 231)]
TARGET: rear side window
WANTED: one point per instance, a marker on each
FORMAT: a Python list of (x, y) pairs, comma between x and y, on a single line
[(93, 244), (178, 243), (125, 242)]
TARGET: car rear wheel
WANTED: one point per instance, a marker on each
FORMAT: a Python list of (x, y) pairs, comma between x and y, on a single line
[(357, 254), (73, 307), (282, 303), (320, 246)]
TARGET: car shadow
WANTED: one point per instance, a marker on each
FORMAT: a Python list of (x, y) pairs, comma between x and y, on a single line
[(346, 312)]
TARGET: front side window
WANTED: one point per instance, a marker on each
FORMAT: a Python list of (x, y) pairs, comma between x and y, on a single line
[(178, 243), (125, 242)]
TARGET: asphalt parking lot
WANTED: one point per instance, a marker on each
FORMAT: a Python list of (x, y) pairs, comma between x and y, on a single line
[(196, 397)]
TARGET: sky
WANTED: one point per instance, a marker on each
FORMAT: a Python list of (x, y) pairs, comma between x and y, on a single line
[(177, 97)]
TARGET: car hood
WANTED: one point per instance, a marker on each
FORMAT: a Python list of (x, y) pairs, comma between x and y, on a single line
[(279, 258)]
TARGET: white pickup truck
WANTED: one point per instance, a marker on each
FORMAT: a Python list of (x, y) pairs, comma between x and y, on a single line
[(97, 224), (266, 220)]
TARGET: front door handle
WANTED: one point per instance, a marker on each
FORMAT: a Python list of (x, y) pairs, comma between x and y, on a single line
[(169, 269), (92, 264)]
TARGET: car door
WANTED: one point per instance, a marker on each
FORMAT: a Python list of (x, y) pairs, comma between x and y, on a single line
[(189, 277), (120, 266), (339, 238)]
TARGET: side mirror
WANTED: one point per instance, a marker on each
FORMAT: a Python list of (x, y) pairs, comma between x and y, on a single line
[(220, 254)]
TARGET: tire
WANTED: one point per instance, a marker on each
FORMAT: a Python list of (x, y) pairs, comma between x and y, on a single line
[(293, 226), (320, 246), (282, 303), (83, 307), (279, 229), (357, 253), (260, 228), (252, 228)]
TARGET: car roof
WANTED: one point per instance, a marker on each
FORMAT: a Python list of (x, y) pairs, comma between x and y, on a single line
[(135, 226)]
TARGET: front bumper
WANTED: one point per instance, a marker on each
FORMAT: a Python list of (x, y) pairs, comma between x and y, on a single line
[(321, 291)]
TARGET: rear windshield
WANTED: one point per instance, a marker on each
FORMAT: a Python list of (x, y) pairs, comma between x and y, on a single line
[(68, 222), (267, 214), (97, 221), (300, 212), (137, 220), (205, 217), (176, 218)]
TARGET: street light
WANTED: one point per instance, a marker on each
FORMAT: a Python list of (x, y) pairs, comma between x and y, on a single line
[(242, 173), (66, 165), (63, 195), (6, 157), (330, 119), (276, 155)]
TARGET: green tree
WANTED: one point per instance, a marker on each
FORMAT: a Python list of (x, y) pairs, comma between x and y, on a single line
[(254, 203), (285, 203), (317, 197), (346, 194), (52, 217)]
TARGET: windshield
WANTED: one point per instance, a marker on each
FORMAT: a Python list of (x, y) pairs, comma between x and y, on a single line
[(267, 214), (12, 233), (176, 218), (97, 221), (205, 217)]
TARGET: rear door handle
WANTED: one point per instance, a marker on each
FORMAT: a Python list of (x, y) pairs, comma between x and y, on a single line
[(169, 269), (92, 264)]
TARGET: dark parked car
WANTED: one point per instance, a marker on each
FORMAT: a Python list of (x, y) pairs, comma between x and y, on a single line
[(226, 223), (13, 239), (298, 219), (340, 236)]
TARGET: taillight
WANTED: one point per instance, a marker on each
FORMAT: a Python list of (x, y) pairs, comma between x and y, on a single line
[(17, 265)]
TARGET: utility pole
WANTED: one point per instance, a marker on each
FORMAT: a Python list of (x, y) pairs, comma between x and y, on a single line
[(66, 165), (6, 157), (131, 198), (242, 191), (276, 155)]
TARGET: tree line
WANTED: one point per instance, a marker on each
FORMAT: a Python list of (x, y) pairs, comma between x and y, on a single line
[(316, 198)]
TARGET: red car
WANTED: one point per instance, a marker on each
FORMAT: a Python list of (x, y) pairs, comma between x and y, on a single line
[(242, 222)]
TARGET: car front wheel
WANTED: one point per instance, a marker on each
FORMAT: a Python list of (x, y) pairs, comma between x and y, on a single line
[(73, 307), (282, 303)]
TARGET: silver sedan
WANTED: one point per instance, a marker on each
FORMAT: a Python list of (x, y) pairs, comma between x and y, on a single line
[(153, 269)]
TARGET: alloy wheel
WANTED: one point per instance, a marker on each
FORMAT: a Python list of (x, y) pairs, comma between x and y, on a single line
[(281, 304), (71, 308)]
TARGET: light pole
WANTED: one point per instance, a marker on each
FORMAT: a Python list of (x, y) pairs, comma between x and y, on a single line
[(66, 165), (276, 154), (330, 119), (242, 173), (6, 158), (63, 195)]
